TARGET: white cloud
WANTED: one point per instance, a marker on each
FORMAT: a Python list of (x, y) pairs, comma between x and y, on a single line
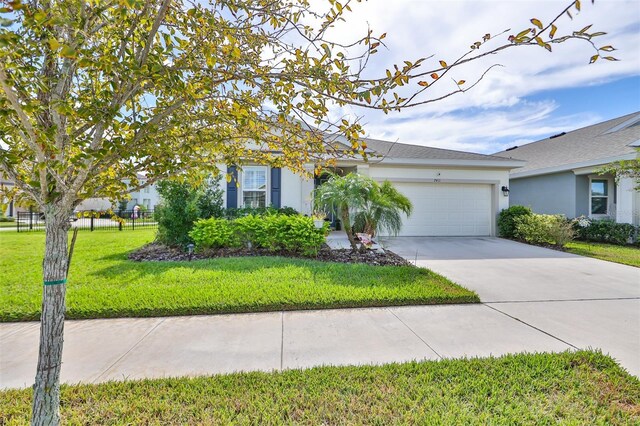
[(495, 113)]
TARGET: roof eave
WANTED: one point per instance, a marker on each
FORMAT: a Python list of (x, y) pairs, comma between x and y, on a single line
[(497, 164), (572, 166)]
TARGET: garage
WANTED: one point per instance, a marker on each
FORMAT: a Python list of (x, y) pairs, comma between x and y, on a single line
[(447, 209)]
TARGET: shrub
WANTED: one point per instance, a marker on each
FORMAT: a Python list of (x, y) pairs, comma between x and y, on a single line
[(293, 233), (210, 199), (177, 213), (215, 233), (544, 229), (274, 232), (238, 212), (604, 230), (183, 204), (507, 220), (251, 230)]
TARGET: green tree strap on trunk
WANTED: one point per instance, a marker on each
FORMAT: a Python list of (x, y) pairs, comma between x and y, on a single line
[(56, 282)]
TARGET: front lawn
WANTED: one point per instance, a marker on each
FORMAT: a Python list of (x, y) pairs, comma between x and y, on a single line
[(104, 283), (627, 255), (577, 388)]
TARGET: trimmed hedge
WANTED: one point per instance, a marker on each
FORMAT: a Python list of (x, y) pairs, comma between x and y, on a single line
[(544, 229), (605, 231), (274, 232), (507, 220)]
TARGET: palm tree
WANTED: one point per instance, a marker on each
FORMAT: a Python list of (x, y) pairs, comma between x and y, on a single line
[(341, 194), (374, 207), (382, 210)]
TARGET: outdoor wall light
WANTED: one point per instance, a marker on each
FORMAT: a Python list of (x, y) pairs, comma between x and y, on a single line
[(505, 191)]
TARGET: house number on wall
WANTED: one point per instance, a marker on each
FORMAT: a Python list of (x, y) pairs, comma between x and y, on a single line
[(436, 180)]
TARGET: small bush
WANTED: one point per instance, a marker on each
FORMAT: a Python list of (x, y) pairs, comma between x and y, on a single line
[(215, 233), (6, 219), (238, 212), (177, 213), (251, 230), (544, 229), (605, 230), (507, 220), (274, 232), (183, 204)]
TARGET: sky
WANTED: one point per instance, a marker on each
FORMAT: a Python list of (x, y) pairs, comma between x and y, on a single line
[(533, 95)]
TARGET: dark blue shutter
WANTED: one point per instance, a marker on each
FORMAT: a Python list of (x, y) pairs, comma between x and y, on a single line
[(232, 188), (276, 186)]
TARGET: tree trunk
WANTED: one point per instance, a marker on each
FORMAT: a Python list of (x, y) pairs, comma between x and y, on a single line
[(344, 214), (46, 395)]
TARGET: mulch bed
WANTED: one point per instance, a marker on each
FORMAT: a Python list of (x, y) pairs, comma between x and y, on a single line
[(155, 252)]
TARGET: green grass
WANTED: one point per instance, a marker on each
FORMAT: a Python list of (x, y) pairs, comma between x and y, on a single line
[(7, 225), (577, 388), (103, 283), (627, 255)]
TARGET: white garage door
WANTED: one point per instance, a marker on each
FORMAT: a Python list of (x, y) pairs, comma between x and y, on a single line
[(447, 209)]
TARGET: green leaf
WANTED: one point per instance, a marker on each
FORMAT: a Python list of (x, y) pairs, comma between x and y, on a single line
[(54, 44), (68, 52), (593, 59)]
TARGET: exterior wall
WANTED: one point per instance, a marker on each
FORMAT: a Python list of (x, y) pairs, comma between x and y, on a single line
[(628, 202), (498, 178), (149, 193), (98, 204), (546, 194), (582, 195), (292, 195)]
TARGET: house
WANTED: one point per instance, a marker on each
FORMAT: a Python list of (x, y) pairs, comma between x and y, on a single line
[(453, 193), (561, 172), (147, 197)]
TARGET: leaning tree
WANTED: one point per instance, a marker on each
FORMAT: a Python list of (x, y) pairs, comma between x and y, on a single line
[(92, 92)]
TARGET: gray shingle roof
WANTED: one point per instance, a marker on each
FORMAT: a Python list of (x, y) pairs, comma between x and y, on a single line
[(402, 150), (608, 139)]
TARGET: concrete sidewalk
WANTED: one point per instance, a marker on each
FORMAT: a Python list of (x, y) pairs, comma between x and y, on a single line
[(133, 348)]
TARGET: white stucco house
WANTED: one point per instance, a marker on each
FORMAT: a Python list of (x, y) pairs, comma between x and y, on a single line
[(561, 172), (147, 197), (454, 193)]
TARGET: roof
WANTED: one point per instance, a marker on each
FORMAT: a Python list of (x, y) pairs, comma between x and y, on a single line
[(401, 150), (589, 146)]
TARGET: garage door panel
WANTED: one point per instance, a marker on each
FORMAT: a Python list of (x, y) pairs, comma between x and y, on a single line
[(443, 209)]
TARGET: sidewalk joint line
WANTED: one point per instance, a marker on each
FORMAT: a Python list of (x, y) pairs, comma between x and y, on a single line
[(564, 300), (129, 350), (532, 326), (281, 340), (415, 334)]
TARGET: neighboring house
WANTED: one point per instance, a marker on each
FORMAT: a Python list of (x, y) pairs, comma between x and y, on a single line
[(453, 193), (560, 176), (147, 197)]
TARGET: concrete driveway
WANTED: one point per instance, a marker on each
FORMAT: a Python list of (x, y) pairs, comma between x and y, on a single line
[(585, 302)]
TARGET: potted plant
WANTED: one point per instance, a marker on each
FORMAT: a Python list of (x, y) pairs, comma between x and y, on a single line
[(318, 219)]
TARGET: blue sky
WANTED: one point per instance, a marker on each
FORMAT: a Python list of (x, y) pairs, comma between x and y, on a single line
[(533, 95), (608, 100)]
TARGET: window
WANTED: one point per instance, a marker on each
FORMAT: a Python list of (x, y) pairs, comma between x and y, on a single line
[(147, 203), (599, 196), (254, 186)]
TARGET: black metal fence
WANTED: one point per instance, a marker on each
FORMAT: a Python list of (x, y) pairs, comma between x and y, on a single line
[(92, 220)]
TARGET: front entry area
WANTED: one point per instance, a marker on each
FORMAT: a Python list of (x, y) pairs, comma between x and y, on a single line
[(448, 209)]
